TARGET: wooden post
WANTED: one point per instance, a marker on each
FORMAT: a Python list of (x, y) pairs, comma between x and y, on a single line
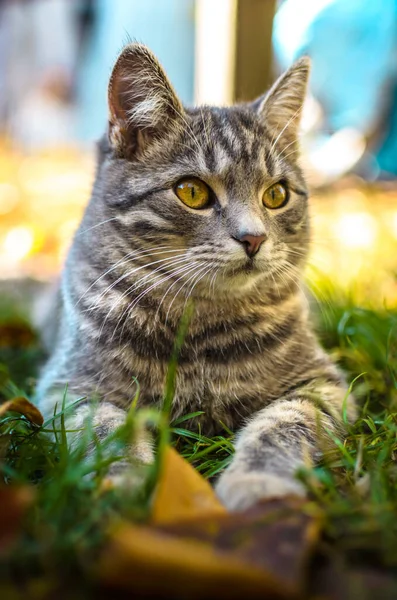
[(253, 52)]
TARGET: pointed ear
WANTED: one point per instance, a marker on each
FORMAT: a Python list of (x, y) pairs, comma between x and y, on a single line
[(143, 106), (281, 109)]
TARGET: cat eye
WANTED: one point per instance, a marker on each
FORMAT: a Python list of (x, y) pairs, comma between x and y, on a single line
[(275, 196), (193, 192)]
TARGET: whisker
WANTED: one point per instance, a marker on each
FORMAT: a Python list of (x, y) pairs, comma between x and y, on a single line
[(281, 154), (126, 257), (130, 308), (213, 278), (171, 286), (290, 153), (294, 116), (131, 272), (210, 268), (181, 288), (172, 261), (95, 226), (123, 295)]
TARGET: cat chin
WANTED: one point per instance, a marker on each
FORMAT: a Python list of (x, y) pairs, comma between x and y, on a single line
[(230, 285), (240, 282)]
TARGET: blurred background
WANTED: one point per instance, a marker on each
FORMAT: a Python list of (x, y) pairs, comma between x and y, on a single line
[(55, 61)]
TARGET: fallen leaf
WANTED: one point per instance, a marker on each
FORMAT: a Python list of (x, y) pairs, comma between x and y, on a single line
[(277, 536), (335, 579), (24, 407), (14, 501), (17, 335), (262, 553), (182, 493), (150, 563)]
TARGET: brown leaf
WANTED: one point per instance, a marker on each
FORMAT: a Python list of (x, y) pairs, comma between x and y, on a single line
[(182, 493), (277, 536), (263, 553), (150, 563), (24, 407), (17, 335), (14, 501), (335, 579)]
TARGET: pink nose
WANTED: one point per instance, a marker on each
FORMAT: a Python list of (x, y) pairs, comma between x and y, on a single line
[(252, 243)]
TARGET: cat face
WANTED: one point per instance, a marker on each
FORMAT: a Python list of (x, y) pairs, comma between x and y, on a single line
[(212, 197)]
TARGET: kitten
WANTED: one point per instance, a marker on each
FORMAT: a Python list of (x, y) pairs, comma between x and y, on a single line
[(204, 203)]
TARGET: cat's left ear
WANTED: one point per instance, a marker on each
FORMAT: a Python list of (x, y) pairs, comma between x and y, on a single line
[(143, 106), (281, 108)]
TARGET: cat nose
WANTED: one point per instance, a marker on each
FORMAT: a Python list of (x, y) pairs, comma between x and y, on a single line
[(252, 243)]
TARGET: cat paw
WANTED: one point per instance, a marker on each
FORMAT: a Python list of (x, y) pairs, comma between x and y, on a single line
[(126, 476), (239, 491)]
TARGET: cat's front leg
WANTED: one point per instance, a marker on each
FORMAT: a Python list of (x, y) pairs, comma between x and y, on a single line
[(104, 418), (277, 441)]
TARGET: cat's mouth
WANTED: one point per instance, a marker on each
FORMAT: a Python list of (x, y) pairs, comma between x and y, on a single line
[(248, 267)]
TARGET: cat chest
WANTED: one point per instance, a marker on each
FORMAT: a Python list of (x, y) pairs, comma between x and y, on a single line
[(224, 391), (228, 376)]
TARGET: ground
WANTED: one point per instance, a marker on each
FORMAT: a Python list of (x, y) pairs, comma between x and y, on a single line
[(65, 533)]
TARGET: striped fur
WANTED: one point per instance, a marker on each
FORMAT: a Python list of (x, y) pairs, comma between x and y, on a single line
[(250, 360)]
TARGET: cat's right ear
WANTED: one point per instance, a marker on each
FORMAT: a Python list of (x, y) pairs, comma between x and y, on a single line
[(281, 108), (143, 106)]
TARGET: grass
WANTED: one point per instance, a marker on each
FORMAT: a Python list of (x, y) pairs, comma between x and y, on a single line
[(354, 488)]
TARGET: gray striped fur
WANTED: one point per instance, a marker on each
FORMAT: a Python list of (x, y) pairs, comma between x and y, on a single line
[(250, 359)]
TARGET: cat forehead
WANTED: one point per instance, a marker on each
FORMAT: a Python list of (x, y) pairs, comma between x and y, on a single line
[(230, 138), (236, 125)]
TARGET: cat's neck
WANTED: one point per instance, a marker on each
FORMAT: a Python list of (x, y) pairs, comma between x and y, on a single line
[(219, 306)]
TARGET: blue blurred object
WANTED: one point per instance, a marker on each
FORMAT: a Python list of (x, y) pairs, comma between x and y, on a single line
[(166, 27), (353, 44)]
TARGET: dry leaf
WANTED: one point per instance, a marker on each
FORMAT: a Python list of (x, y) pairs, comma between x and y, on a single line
[(24, 407), (263, 553), (17, 335), (14, 500), (150, 563), (182, 493), (332, 578), (276, 536)]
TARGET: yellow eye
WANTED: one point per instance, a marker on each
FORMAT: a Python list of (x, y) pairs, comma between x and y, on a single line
[(193, 192), (275, 196)]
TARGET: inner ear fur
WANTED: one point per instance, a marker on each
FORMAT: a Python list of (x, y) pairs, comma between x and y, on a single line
[(281, 108), (143, 105)]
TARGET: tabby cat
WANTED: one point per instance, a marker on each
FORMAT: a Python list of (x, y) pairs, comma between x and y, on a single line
[(209, 204)]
